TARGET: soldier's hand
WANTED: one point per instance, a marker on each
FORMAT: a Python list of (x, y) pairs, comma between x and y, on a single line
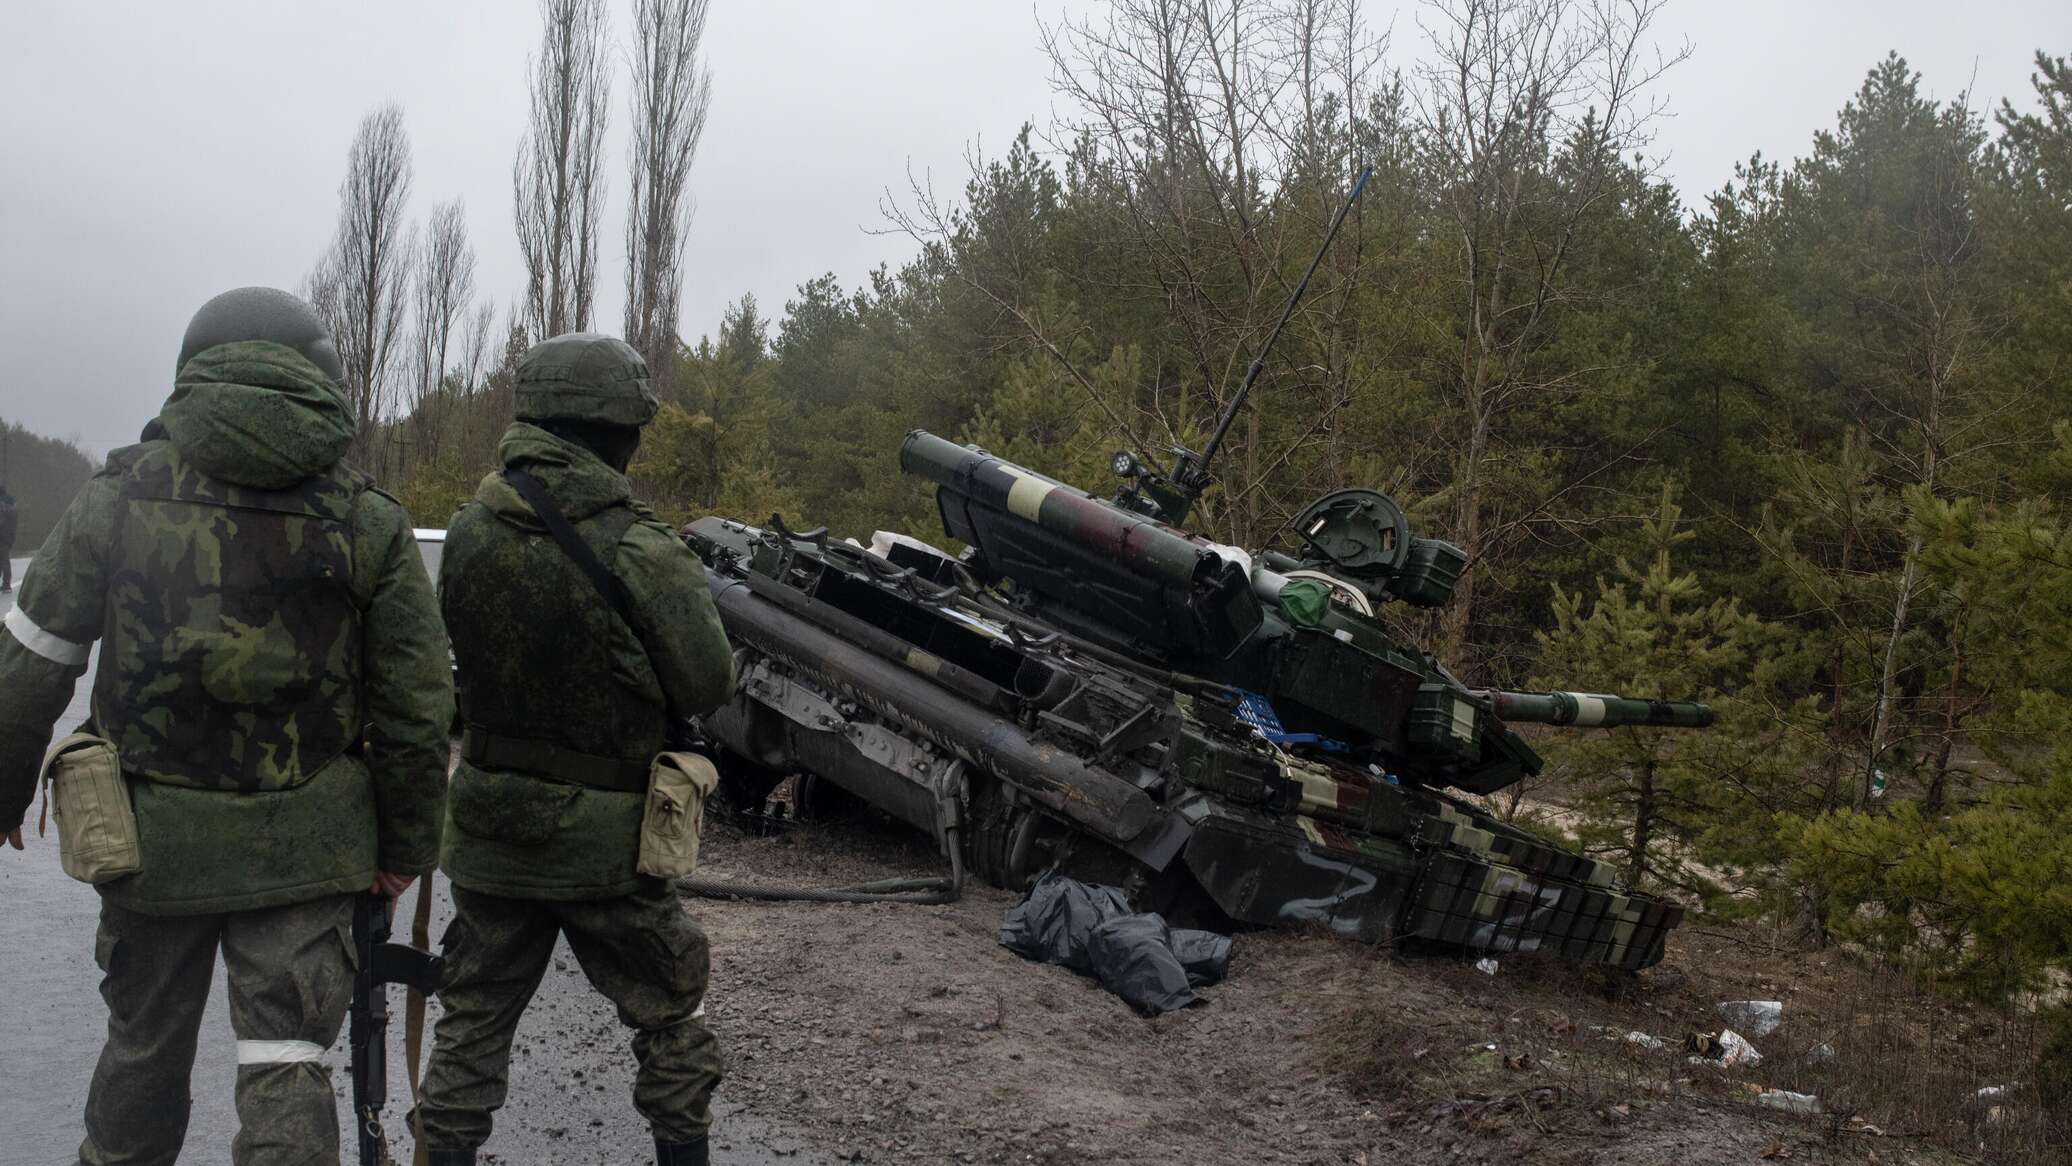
[(14, 837), (392, 885)]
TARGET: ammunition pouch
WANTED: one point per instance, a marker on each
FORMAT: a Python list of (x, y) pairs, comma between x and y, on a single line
[(97, 826), (675, 814), (495, 751)]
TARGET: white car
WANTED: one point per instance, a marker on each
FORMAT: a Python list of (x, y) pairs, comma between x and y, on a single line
[(431, 543)]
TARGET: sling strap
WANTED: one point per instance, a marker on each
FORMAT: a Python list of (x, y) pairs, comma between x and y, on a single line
[(413, 1016)]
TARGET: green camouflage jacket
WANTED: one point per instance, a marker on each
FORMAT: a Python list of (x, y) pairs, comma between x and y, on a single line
[(274, 670), (563, 691)]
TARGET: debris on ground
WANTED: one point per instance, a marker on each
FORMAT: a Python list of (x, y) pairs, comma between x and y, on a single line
[(1729, 1048), (1758, 1018), (1486, 966), (1648, 1041), (1735, 1049), (1990, 1103), (1788, 1101)]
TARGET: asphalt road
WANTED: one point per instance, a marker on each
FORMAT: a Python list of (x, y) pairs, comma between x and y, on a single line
[(572, 1071)]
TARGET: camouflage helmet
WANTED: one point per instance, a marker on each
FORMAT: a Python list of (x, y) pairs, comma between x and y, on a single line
[(585, 376), (262, 313)]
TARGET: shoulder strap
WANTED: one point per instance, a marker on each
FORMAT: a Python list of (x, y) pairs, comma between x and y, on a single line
[(610, 586)]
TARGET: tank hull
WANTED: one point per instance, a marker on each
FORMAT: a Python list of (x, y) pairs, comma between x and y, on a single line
[(1042, 750)]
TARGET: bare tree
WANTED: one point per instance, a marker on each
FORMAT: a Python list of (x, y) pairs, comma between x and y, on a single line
[(1230, 129), (361, 284), (671, 93), (476, 351), (472, 369), (556, 178), (1510, 87), (445, 289)]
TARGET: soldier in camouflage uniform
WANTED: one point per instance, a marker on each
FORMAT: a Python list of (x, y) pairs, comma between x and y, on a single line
[(565, 709), (274, 675)]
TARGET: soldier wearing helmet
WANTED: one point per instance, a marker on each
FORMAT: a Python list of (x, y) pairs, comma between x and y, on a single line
[(566, 703), (273, 680)]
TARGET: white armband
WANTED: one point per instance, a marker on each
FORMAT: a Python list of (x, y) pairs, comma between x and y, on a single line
[(54, 648)]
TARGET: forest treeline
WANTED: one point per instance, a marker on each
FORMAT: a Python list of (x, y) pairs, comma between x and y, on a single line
[(43, 473), (1801, 449)]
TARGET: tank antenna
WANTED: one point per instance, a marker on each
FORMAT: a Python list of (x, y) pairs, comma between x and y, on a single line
[(1193, 479)]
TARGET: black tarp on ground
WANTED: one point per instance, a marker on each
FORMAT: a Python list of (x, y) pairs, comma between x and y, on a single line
[(1091, 930)]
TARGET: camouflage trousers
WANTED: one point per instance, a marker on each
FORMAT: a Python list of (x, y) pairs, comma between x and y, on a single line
[(641, 950), (290, 971)]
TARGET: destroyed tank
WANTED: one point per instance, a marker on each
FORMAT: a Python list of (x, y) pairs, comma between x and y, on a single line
[(1227, 736)]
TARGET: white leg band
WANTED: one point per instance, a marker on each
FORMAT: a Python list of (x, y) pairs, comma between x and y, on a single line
[(277, 1052), (55, 649)]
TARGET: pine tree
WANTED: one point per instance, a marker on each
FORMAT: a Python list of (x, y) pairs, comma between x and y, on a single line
[(1657, 799)]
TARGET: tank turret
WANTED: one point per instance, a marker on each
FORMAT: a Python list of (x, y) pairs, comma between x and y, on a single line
[(1300, 635)]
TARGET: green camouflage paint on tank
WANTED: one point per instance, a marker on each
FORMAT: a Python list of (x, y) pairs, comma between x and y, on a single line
[(1152, 711), (1376, 862)]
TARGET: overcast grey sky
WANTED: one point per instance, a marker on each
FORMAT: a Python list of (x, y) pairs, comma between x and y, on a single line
[(159, 151)]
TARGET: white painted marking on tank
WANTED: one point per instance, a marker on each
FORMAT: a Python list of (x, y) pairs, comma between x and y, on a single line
[(1025, 497), (1463, 720)]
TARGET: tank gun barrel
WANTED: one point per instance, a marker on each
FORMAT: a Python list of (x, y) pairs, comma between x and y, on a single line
[(1597, 710)]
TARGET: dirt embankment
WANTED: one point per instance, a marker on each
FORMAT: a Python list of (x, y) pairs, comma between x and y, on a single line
[(907, 1034)]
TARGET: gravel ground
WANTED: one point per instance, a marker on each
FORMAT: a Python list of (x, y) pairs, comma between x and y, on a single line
[(884, 1033)]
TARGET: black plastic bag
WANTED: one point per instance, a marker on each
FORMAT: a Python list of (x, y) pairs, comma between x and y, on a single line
[(1133, 958), (1205, 954), (1091, 930), (1051, 925)]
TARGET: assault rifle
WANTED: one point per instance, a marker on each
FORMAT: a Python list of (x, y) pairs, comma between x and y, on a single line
[(381, 963)]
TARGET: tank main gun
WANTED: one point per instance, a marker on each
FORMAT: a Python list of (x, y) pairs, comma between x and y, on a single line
[(1595, 710)]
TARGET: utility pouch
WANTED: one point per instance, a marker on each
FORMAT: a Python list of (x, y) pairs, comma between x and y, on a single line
[(97, 825), (678, 785)]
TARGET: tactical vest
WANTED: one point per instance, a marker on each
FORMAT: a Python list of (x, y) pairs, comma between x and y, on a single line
[(231, 654), (541, 691)]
